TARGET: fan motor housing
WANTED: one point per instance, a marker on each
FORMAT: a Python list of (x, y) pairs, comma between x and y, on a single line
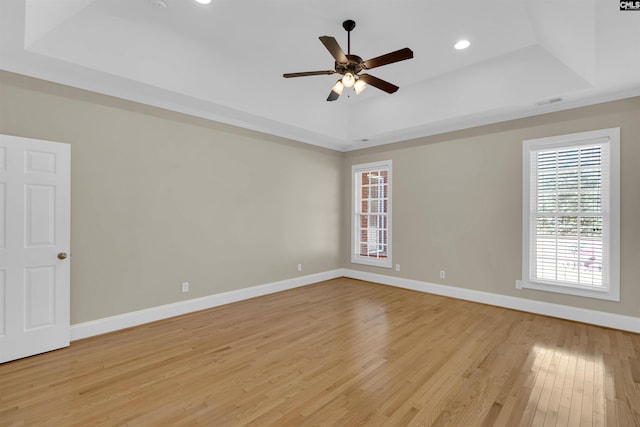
[(354, 65)]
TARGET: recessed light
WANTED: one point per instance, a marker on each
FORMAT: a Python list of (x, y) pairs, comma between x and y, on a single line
[(462, 44), (204, 1)]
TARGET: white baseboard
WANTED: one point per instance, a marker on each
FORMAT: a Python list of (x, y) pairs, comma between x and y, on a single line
[(600, 318), (127, 320)]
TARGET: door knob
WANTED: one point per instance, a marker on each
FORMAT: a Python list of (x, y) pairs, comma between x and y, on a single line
[(62, 255)]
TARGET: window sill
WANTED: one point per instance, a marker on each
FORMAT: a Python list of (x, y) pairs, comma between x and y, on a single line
[(604, 294), (386, 263)]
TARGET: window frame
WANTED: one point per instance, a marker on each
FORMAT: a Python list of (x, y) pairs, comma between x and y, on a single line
[(609, 139), (356, 200)]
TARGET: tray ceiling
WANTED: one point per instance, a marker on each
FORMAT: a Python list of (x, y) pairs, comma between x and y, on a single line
[(224, 61)]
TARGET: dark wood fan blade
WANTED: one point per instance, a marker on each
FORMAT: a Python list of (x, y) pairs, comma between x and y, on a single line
[(332, 96), (389, 58), (308, 73), (379, 83), (334, 49)]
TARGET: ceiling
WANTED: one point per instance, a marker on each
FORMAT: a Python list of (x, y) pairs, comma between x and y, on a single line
[(224, 61)]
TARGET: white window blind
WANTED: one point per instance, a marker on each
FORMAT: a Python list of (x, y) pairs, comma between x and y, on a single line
[(372, 214), (571, 223)]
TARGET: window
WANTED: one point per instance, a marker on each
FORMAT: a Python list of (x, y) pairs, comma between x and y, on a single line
[(571, 192), (371, 226)]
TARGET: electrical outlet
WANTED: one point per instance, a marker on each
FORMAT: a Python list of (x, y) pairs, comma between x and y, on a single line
[(185, 286), (397, 267), (442, 274), (299, 267)]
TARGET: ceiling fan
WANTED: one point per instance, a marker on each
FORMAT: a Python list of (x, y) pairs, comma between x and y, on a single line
[(349, 66)]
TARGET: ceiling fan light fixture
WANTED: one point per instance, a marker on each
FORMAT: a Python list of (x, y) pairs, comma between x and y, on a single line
[(348, 80), (338, 87), (359, 86), (348, 66)]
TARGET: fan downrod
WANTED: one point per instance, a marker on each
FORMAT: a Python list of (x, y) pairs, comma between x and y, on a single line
[(349, 25)]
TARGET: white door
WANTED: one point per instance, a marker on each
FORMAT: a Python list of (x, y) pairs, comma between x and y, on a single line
[(34, 246)]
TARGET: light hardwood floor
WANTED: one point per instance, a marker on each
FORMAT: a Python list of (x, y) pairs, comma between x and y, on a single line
[(341, 352)]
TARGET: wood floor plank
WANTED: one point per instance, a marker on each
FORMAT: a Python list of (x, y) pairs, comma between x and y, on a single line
[(342, 352)]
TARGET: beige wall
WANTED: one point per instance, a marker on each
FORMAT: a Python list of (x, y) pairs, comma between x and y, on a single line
[(457, 203), (159, 198)]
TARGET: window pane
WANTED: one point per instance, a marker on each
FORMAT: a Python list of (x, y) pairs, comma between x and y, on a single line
[(547, 202), (591, 156), (591, 227), (365, 178), (373, 191), (568, 202), (567, 226), (590, 202), (547, 247), (590, 179), (568, 180), (567, 248), (547, 181), (363, 249), (547, 160), (546, 226), (568, 158)]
